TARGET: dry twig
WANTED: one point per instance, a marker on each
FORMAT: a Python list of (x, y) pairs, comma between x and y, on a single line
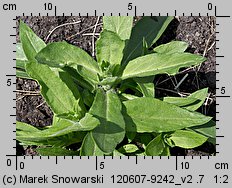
[(62, 25), (79, 33), (93, 41)]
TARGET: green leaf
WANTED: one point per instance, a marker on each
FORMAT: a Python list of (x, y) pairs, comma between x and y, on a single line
[(125, 97), (146, 86), (56, 93), (192, 102), (58, 141), (87, 123), (61, 54), (26, 128), (166, 151), (171, 47), (65, 132), (185, 139), (128, 149), (77, 78), (180, 101), (129, 84), (31, 43), (201, 96), (89, 147), (147, 29), (88, 97), (20, 55), (21, 58), (155, 147), (38, 138), (67, 79), (212, 140), (130, 136), (152, 115), (145, 48), (20, 65), (22, 74), (112, 53), (208, 129), (145, 138), (153, 64), (111, 131), (21, 61), (121, 25), (88, 75), (109, 81), (56, 151), (117, 153)]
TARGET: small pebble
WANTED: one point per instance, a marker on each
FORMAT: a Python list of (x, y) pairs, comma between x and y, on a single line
[(197, 34)]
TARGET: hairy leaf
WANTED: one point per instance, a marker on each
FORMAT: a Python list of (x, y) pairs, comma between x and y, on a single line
[(155, 147), (61, 54), (89, 147), (201, 96), (56, 93), (166, 151), (56, 151), (129, 84), (21, 61), (110, 81), (185, 139), (145, 138), (146, 86), (153, 64), (88, 97), (25, 128), (208, 129), (67, 79), (38, 138), (152, 115), (171, 47), (111, 131), (31, 43), (180, 101), (21, 58), (22, 74), (64, 133), (87, 75), (130, 136), (109, 48), (128, 149), (125, 97), (148, 29), (87, 123), (117, 153), (192, 102), (77, 78), (121, 25)]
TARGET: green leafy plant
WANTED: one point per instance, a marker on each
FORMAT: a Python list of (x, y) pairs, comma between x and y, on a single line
[(107, 105)]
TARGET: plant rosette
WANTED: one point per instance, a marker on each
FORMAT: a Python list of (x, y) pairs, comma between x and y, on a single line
[(89, 97)]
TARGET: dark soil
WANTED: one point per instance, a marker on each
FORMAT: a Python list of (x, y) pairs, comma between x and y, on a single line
[(199, 32)]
